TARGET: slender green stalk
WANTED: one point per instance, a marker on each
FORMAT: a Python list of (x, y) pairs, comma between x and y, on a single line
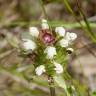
[(85, 20), (51, 84), (81, 66), (52, 23), (73, 13), (45, 14), (52, 91), (44, 11)]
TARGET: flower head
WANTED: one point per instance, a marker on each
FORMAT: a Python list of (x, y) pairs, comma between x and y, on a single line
[(44, 24), (63, 43), (40, 70), (51, 51), (58, 68), (29, 44), (60, 31), (48, 45), (34, 31)]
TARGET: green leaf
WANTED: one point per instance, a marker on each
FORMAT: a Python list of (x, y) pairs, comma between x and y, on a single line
[(61, 83), (13, 41), (94, 93)]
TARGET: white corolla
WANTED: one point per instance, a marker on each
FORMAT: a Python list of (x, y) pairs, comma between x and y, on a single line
[(58, 68), (70, 36), (64, 43), (40, 70), (29, 44), (51, 51), (34, 31), (60, 31)]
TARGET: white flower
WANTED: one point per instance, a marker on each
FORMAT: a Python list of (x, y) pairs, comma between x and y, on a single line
[(33, 31), (51, 51), (44, 24), (63, 43), (29, 44), (60, 31), (58, 68), (70, 36), (40, 70)]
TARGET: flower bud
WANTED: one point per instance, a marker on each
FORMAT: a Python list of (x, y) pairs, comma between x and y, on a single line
[(63, 43), (48, 38), (34, 31), (44, 24), (60, 31)]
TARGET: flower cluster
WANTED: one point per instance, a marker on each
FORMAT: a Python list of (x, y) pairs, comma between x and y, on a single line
[(50, 48)]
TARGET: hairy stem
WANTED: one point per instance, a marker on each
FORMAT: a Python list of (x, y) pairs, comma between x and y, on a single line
[(51, 84)]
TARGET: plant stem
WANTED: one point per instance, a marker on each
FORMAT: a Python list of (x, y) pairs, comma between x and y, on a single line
[(51, 84), (88, 30), (43, 8)]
